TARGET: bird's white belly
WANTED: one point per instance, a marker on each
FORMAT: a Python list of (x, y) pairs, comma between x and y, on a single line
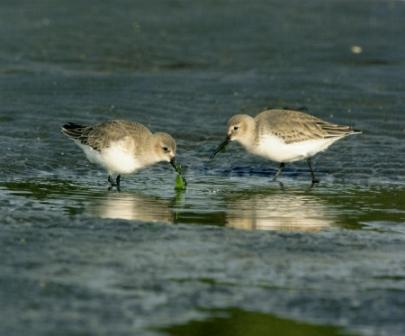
[(116, 159), (275, 149)]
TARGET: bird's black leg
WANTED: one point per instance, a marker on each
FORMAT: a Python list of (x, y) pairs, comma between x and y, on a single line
[(115, 183), (279, 171), (118, 181), (314, 179)]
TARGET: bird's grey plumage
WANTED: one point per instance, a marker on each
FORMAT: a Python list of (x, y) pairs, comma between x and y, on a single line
[(101, 135), (284, 136), (296, 126), (122, 147)]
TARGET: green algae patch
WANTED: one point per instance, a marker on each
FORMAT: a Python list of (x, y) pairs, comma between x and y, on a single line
[(181, 182), (237, 322)]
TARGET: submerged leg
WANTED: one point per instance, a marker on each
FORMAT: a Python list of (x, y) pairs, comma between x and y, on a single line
[(114, 183), (279, 171), (314, 179), (118, 181)]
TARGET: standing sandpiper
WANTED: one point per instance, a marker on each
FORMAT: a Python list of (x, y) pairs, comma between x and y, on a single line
[(122, 147), (284, 136)]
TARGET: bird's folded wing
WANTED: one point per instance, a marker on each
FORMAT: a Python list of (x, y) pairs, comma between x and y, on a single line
[(102, 135), (295, 126)]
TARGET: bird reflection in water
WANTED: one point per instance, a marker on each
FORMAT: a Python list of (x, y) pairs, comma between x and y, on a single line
[(266, 210), (280, 211), (132, 206)]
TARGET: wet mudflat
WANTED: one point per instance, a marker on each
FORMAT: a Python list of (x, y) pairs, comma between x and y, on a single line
[(234, 253)]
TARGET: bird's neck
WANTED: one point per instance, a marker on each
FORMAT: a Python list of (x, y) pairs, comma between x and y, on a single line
[(148, 150), (249, 139)]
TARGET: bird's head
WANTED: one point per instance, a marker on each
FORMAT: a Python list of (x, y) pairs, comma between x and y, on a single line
[(240, 128)]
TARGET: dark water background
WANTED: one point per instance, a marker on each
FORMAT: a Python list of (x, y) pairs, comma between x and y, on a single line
[(234, 254)]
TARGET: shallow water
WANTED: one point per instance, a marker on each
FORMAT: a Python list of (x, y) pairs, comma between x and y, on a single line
[(78, 259)]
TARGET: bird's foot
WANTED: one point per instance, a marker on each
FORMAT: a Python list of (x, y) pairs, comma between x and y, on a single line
[(113, 183), (111, 187), (281, 184)]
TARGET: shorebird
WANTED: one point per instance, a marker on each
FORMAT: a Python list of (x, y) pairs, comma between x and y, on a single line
[(122, 147), (284, 136)]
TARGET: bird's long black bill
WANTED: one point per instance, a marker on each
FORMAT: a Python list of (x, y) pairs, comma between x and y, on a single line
[(174, 164), (220, 147)]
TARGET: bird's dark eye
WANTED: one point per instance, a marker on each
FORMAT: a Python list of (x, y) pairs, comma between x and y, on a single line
[(235, 128), (165, 149)]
